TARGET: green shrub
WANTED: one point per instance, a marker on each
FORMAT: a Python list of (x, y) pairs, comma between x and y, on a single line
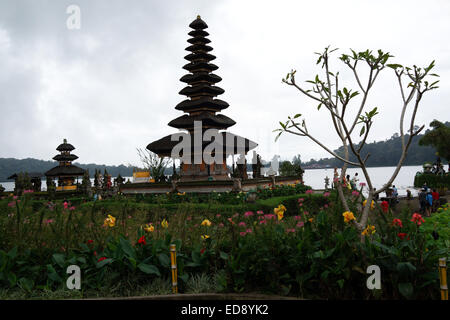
[(432, 180)]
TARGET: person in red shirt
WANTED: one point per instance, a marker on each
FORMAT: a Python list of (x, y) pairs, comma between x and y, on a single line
[(435, 195)]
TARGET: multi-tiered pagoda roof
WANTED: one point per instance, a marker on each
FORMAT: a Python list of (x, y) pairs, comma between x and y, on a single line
[(65, 158), (201, 92)]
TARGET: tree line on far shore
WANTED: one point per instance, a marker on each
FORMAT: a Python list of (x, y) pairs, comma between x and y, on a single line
[(382, 153), (386, 153)]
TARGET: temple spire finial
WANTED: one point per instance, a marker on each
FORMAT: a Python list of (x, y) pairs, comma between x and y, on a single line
[(198, 16)]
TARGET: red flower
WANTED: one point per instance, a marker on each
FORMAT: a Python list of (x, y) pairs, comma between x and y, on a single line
[(417, 219), (90, 241), (397, 222), (202, 251), (142, 240), (385, 206), (101, 259), (95, 253), (402, 235)]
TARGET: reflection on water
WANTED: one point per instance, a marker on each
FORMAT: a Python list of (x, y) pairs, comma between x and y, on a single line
[(315, 178)]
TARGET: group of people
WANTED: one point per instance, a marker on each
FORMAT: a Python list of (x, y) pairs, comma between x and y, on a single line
[(429, 200), (438, 167), (351, 184)]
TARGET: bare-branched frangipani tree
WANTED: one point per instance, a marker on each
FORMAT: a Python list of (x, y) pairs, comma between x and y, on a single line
[(337, 100), (154, 163)]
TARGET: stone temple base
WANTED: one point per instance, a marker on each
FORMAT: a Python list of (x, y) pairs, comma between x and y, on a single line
[(206, 186)]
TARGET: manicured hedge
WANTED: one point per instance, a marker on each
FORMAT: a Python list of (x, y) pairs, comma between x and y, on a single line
[(432, 180)]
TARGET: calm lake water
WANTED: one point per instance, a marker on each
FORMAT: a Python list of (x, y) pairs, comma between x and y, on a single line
[(315, 178), (378, 175)]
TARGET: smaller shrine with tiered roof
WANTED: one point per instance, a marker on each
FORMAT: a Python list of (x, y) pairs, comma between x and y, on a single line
[(65, 172)]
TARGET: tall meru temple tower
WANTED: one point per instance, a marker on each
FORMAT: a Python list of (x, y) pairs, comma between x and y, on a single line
[(203, 106), (66, 172)]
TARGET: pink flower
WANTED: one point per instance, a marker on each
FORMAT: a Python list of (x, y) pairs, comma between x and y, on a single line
[(325, 206), (72, 208), (297, 218), (242, 224), (290, 230), (28, 191), (65, 205), (300, 224), (263, 221), (248, 214), (12, 204), (259, 212), (326, 194), (309, 191), (236, 215), (249, 230), (221, 225), (242, 234), (355, 193), (15, 197), (48, 221), (269, 216), (218, 215), (306, 212), (362, 184), (300, 200), (300, 204)]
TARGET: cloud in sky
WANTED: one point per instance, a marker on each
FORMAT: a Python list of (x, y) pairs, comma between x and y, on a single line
[(112, 85)]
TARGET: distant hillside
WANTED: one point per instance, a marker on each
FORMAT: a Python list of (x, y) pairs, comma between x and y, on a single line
[(9, 166), (386, 153)]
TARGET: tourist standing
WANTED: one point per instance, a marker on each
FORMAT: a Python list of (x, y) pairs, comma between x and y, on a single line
[(435, 196), (423, 200), (408, 194), (395, 193), (429, 204), (354, 181)]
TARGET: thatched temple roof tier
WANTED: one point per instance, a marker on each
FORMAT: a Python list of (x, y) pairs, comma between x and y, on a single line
[(202, 104), (65, 157), (60, 171), (217, 121), (236, 144)]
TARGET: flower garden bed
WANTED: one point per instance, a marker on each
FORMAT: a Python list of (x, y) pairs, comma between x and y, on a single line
[(289, 244)]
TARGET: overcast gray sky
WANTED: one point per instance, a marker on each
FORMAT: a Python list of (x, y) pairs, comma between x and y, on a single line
[(112, 85)]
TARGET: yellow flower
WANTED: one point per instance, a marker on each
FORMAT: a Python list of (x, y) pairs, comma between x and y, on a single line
[(372, 204), (164, 224), (279, 211), (206, 222), (149, 228), (204, 237), (369, 230), (311, 219), (348, 216), (110, 221)]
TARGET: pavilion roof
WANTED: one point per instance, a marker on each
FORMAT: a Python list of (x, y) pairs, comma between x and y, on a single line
[(59, 171)]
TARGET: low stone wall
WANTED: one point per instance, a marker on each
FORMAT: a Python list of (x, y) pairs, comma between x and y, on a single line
[(206, 186)]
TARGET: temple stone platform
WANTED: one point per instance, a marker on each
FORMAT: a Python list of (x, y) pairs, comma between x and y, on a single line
[(234, 185)]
